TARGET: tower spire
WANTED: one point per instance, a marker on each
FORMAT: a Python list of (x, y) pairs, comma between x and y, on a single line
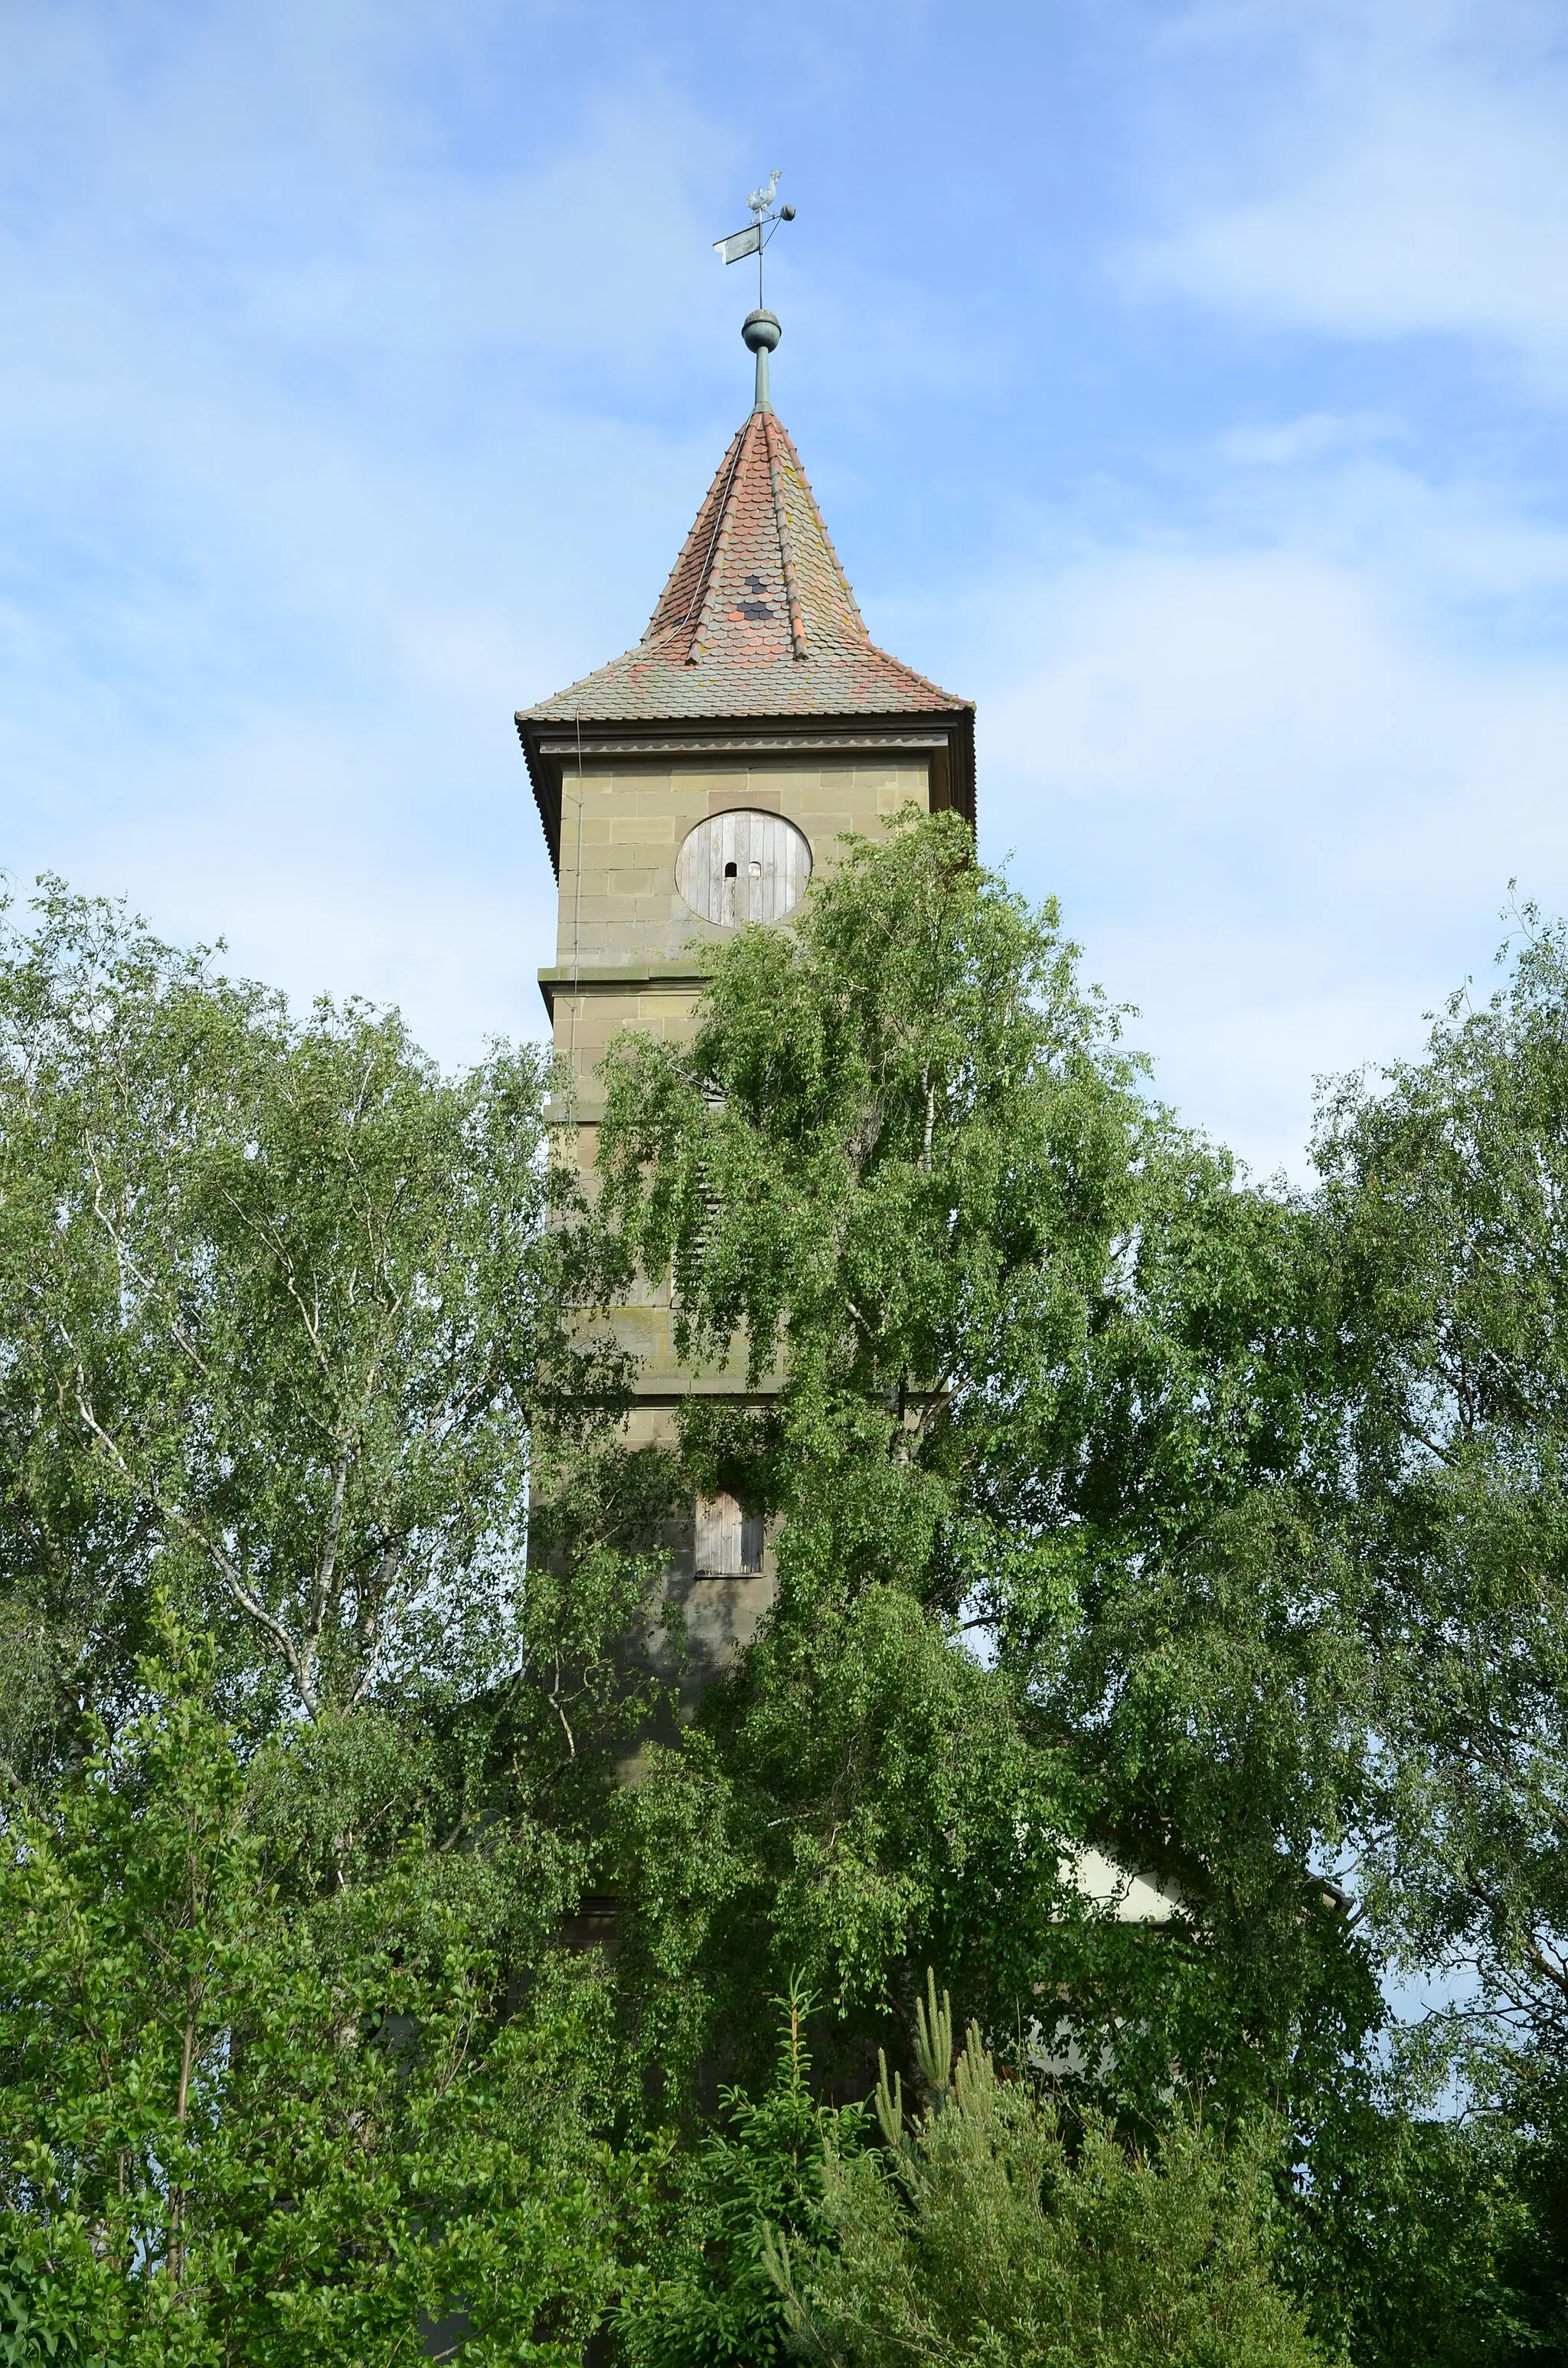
[(755, 642)]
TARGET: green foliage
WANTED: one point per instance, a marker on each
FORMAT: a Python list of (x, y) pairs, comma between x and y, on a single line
[(863, 1784), (712, 2301), (896, 1158), (1117, 1505), (982, 2237), (1037, 1370), (1444, 1212), (285, 1333), (921, 1144), (1426, 2241), (229, 2135), (279, 1309)]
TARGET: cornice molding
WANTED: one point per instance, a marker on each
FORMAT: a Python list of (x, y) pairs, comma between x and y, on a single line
[(619, 978), (708, 743)]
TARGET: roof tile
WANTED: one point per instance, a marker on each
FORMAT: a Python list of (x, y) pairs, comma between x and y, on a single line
[(758, 618)]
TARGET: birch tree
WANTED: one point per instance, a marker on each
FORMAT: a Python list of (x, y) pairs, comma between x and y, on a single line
[(279, 1317)]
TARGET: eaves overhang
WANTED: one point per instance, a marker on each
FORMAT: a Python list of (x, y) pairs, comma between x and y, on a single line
[(554, 748)]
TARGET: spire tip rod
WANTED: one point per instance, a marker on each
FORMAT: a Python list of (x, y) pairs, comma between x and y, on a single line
[(760, 330)]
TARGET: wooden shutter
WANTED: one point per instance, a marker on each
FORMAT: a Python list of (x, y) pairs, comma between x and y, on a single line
[(728, 1540), (744, 866)]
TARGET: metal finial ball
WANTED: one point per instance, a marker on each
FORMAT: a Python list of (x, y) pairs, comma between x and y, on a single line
[(760, 329)]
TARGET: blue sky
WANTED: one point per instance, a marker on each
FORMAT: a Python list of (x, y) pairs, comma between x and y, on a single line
[(1186, 384)]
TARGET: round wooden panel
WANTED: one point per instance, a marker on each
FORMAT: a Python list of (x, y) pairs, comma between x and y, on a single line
[(743, 867)]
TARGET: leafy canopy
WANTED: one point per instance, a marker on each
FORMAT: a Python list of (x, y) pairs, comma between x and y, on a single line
[(1029, 1368), (282, 1314), (231, 2133), (1445, 1215)]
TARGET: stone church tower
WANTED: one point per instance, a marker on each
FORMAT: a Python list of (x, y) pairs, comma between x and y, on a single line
[(697, 783)]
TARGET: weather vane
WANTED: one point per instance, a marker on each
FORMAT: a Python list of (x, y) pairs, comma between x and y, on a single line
[(765, 219)]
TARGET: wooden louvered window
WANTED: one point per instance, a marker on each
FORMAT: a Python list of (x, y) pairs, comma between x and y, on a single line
[(690, 1267), (728, 1539), (738, 866)]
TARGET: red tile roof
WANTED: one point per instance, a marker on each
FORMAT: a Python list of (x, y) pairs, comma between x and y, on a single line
[(758, 619)]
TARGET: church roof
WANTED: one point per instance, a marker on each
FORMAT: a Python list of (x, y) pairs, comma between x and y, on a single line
[(758, 619)]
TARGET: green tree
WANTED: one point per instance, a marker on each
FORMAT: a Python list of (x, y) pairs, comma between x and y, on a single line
[(1430, 2242), (282, 1313), (1444, 1211), (232, 2134), (1032, 1369), (981, 2236), (1117, 1504), (755, 2171), (285, 1330)]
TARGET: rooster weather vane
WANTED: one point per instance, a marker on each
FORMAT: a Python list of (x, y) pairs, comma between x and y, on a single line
[(765, 219)]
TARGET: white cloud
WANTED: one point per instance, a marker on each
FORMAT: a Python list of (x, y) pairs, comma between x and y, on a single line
[(1405, 171), (326, 439), (1281, 771), (329, 434), (302, 493), (1295, 443)]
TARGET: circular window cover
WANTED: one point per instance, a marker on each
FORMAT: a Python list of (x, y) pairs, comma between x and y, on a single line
[(743, 867)]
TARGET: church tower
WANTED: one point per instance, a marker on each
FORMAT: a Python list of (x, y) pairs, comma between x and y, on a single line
[(701, 783)]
